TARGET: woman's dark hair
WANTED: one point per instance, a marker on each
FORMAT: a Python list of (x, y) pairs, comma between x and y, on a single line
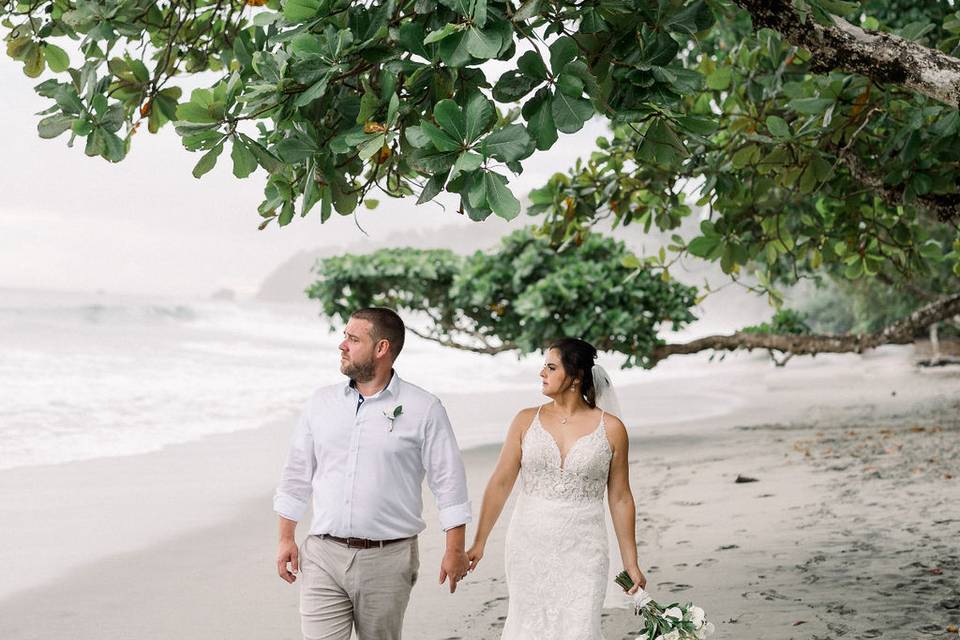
[(577, 357)]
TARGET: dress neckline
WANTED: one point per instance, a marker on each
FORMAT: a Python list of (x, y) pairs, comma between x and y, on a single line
[(563, 456)]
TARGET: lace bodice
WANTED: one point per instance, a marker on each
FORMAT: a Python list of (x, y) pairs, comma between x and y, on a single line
[(580, 477)]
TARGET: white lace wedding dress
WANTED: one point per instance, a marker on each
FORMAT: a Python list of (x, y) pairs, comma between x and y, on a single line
[(556, 551)]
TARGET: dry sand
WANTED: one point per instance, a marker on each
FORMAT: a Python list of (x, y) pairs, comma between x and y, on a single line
[(851, 529)]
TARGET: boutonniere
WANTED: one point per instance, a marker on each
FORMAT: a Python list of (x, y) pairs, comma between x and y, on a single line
[(392, 415)]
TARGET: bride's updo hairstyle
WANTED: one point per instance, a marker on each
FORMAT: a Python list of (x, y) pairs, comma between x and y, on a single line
[(577, 357)]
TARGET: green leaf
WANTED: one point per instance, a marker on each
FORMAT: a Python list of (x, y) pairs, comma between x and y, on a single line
[(562, 51), (499, 197), (316, 90), (371, 146), (432, 188), (208, 161), (53, 126), (286, 214), (467, 162), (661, 144), (451, 119), (439, 138), (296, 148), (444, 32), (193, 112), (417, 137), (479, 115), (483, 44), (513, 85), (719, 80), (244, 162), (538, 112), (570, 113), (264, 158), (57, 58), (531, 65), (527, 10), (570, 85), (301, 10), (778, 127), (33, 61), (508, 144), (810, 106), (703, 246), (453, 50)]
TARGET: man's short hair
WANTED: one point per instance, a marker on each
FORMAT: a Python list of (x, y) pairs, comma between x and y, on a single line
[(387, 325)]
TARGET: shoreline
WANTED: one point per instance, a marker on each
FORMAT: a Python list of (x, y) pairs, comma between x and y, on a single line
[(190, 542)]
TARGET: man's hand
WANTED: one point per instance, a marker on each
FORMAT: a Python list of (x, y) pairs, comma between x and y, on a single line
[(455, 565), (288, 553)]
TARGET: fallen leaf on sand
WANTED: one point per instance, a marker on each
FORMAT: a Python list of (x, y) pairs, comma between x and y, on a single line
[(936, 571), (917, 429), (741, 479), (952, 629), (799, 622), (947, 476)]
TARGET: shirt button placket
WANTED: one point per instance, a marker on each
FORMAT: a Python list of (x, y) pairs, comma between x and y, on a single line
[(352, 468)]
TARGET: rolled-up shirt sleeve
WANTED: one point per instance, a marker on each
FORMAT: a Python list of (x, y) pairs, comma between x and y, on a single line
[(292, 497), (446, 476)]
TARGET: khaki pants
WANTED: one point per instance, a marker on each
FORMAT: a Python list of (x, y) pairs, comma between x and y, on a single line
[(366, 588)]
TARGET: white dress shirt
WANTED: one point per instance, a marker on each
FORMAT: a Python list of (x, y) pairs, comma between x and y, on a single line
[(365, 471)]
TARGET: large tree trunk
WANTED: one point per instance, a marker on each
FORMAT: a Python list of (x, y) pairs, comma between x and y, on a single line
[(884, 57), (899, 332)]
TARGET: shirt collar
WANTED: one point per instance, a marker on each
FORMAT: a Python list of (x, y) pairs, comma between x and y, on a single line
[(392, 387)]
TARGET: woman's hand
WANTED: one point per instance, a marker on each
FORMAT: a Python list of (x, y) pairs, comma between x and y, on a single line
[(639, 580), (474, 554)]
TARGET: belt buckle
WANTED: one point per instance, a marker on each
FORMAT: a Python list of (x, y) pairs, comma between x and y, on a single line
[(357, 543)]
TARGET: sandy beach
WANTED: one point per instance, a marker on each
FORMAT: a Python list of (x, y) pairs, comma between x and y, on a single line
[(850, 529)]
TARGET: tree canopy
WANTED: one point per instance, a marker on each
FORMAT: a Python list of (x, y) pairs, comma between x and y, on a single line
[(820, 137)]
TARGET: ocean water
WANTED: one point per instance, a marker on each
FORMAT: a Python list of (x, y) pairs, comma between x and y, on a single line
[(92, 375)]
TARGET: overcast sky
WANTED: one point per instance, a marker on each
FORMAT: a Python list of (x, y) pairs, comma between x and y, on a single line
[(146, 225)]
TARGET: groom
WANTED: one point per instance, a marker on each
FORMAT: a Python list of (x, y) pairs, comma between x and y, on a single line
[(360, 451)]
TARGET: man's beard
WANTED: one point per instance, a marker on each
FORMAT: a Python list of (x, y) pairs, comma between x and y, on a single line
[(359, 371)]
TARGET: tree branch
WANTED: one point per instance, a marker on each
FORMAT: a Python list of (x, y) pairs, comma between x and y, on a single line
[(900, 332), (945, 206), (884, 57), (447, 342)]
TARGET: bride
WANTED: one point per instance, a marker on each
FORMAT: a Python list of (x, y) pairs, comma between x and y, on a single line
[(567, 452)]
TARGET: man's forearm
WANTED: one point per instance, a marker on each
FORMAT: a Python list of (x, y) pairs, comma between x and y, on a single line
[(456, 538), (287, 528)]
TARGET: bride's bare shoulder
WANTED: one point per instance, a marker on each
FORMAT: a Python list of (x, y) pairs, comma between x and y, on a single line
[(525, 416), (523, 420)]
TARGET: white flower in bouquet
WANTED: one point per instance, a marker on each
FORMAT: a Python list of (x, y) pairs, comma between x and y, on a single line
[(709, 628), (673, 635), (675, 613), (697, 617)]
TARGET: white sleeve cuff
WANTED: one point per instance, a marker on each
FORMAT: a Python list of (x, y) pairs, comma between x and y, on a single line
[(288, 507), (455, 515)]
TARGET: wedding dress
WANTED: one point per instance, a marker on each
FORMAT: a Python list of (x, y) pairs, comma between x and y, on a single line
[(556, 551)]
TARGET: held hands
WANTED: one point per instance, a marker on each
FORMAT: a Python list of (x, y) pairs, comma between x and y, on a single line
[(474, 555), (288, 553), (639, 580), (454, 565)]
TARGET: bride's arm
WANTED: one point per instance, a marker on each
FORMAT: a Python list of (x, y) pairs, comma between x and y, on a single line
[(622, 508), (500, 485)]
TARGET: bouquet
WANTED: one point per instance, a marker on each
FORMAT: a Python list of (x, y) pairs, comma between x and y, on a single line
[(673, 622)]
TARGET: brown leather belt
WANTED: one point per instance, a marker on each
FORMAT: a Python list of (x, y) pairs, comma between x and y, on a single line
[(361, 543)]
